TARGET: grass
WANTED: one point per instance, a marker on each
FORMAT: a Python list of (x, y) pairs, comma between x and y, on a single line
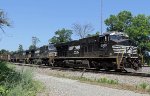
[(144, 86), (101, 80), (84, 79), (17, 83), (108, 81)]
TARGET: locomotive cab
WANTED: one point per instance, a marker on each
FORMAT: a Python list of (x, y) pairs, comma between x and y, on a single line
[(126, 52), (52, 50)]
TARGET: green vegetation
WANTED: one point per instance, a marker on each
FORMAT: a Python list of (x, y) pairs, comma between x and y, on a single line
[(17, 83), (101, 80), (119, 22), (20, 48), (108, 81), (144, 86), (81, 78), (137, 28), (91, 35), (3, 51), (35, 41), (61, 36)]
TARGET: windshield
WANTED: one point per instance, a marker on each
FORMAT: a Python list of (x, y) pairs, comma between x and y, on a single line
[(115, 37), (51, 47)]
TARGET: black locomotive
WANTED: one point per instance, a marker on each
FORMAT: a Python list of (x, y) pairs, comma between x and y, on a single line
[(107, 51)]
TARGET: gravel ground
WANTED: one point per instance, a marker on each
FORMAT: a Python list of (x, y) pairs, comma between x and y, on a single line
[(129, 80), (146, 70), (67, 87)]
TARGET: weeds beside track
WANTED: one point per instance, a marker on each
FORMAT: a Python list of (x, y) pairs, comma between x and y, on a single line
[(17, 82)]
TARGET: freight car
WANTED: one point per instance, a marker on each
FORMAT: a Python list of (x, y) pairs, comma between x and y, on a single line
[(108, 51)]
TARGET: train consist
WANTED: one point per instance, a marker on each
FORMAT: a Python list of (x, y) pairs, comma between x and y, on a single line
[(108, 51)]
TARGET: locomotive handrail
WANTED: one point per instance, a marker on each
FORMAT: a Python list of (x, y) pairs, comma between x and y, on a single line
[(119, 60), (122, 56), (51, 59)]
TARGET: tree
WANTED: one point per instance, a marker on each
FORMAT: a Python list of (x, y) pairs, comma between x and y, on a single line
[(3, 20), (91, 35), (82, 30), (139, 30), (61, 36), (32, 47), (137, 27), (20, 49), (3, 51), (119, 22), (35, 40)]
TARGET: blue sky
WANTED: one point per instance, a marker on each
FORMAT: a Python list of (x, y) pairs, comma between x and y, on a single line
[(41, 18)]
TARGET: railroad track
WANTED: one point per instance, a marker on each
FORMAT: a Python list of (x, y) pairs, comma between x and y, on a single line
[(88, 70), (105, 72), (146, 66)]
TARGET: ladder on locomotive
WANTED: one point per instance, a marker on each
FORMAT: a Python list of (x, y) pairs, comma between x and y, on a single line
[(51, 59), (120, 56)]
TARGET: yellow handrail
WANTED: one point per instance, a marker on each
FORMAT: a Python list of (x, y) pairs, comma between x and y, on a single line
[(51, 59), (119, 61)]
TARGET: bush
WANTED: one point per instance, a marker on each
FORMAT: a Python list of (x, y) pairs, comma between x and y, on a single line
[(143, 85), (17, 83), (2, 90)]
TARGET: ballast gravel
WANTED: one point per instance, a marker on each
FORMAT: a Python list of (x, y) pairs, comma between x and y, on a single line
[(123, 79), (66, 87)]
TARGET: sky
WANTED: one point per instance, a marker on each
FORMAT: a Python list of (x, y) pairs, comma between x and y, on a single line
[(41, 18)]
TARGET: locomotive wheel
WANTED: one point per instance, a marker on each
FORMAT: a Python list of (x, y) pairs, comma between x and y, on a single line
[(97, 68), (135, 66), (105, 66)]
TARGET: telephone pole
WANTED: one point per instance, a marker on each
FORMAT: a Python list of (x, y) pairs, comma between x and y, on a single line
[(101, 16)]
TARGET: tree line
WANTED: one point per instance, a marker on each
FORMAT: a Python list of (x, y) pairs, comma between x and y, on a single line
[(137, 27)]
